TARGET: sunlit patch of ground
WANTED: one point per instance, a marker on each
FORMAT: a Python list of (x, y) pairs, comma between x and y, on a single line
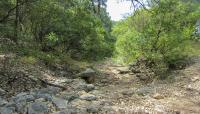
[(128, 95)]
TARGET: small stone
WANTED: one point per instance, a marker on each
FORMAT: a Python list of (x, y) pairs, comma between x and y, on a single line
[(90, 87), (158, 96), (60, 103), (88, 97), (38, 108), (128, 92)]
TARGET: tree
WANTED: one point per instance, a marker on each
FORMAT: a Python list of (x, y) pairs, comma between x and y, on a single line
[(161, 32)]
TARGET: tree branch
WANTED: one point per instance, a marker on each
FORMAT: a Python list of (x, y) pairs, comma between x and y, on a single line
[(12, 9)]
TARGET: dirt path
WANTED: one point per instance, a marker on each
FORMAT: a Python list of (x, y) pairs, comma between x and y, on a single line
[(126, 94)]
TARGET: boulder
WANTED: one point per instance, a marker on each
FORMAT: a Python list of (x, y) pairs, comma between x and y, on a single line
[(38, 108), (60, 103), (88, 75)]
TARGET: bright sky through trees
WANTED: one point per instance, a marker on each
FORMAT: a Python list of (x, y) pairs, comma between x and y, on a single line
[(118, 9)]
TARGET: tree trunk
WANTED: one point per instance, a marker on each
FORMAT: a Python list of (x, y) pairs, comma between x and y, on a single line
[(15, 38), (93, 6), (99, 6)]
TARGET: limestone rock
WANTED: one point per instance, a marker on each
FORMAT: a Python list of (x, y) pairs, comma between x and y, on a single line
[(87, 73), (60, 103), (38, 108), (88, 97)]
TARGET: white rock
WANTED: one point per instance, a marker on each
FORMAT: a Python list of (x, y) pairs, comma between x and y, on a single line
[(88, 97)]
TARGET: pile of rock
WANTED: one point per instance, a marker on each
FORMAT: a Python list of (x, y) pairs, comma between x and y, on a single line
[(52, 100)]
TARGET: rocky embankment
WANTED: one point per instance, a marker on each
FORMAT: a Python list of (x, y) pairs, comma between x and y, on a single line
[(76, 98)]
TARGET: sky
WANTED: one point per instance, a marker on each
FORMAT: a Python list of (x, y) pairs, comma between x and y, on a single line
[(117, 9)]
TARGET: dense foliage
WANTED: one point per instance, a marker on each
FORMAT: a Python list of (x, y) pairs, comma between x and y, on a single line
[(160, 33), (77, 27)]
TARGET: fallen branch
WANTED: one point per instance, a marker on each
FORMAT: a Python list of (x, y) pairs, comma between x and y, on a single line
[(51, 84)]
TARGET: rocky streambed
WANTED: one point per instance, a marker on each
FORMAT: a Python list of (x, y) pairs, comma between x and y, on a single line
[(111, 90)]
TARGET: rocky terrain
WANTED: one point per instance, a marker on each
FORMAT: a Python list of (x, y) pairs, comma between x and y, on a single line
[(111, 89)]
